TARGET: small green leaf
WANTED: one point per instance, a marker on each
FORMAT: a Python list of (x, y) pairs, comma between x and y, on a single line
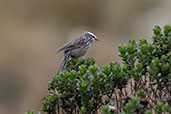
[(29, 112), (82, 69), (106, 110), (141, 94), (165, 68), (139, 67), (125, 67), (143, 41), (167, 108), (93, 69), (148, 112), (156, 61), (83, 110), (159, 107), (157, 30), (106, 70), (163, 59), (122, 49), (144, 48), (167, 29), (130, 49), (133, 71)]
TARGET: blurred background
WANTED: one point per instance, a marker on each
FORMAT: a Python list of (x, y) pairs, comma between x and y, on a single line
[(32, 30)]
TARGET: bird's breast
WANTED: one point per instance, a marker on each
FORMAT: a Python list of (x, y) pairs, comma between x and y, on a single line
[(76, 53)]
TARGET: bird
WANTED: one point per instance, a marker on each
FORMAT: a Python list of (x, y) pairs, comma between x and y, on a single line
[(76, 48)]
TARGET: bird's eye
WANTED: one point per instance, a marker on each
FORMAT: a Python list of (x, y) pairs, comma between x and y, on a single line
[(93, 36)]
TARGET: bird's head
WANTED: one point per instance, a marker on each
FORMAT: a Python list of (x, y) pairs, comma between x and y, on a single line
[(91, 36)]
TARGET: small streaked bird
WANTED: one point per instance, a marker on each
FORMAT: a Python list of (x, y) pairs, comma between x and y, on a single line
[(76, 48)]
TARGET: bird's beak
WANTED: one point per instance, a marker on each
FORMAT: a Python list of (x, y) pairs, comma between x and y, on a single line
[(96, 39)]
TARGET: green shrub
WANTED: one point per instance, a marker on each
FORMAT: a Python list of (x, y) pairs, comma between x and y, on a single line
[(83, 85), (141, 84)]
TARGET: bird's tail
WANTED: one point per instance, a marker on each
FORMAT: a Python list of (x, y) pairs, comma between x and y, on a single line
[(65, 60)]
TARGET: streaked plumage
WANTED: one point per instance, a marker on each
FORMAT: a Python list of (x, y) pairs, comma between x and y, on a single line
[(76, 48)]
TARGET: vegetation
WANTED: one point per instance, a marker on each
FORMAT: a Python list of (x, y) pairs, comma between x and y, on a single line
[(141, 85)]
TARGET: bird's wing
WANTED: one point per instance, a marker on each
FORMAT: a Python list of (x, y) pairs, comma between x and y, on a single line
[(72, 45)]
